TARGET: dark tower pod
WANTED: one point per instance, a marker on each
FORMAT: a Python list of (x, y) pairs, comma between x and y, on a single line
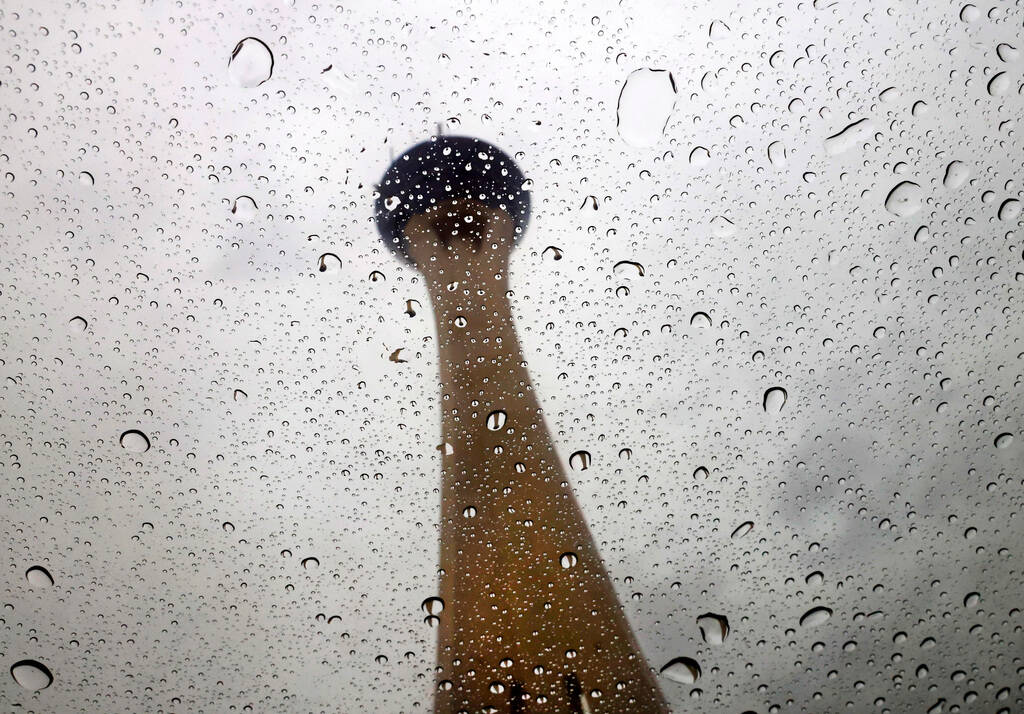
[(444, 168)]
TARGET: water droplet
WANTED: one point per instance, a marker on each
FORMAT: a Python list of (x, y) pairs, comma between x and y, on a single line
[(228, 526), (496, 419), (329, 264), (848, 137), (904, 199), (714, 629), (244, 208), (815, 578), (239, 396), (722, 227), (1007, 53), (700, 319), (683, 670), (957, 173), (645, 105), (580, 460), (972, 599), (628, 267), (77, 324), (970, 13), (251, 63), (86, 179), (815, 616), (568, 560), (775, 399), (31, 674), (999, 85), (700, 157), (742, 529), (889, 95), (38, 577), (310, 563), (469, 512), (433, 606), (135, 441), (1009, 210), (552, 252), (777, 154), (718, 30), (1004, 440)]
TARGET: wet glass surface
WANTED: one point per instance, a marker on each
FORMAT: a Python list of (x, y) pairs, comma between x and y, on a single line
[(769, 298)]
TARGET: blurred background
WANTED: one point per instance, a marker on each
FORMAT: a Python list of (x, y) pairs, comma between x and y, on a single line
[(771, 292)]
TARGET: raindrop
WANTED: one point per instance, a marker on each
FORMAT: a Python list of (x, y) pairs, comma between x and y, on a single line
[(972, 599), (700, 319), (310, 563), (889, 95), (957, 174), (568, 560), (714, 629), (432, 605), (496, 419), (722, 227), (815, 578), (1004, 440), (777, 154), (970, 13), (469, 512), (700, 157), (904, 199), (86, 179), (580, 460), (251, 63), (239, 395), (77, 324), (848, 137), (682, 670), (815, 616), (774, 400), (135, 441), (228, 526), (1009, 209), (244, 208), (1007, 53), (329, 264), (628, 267), (38, 577), (555, 253), (999, 85), (31, 674), (645, 105), (742, 529)]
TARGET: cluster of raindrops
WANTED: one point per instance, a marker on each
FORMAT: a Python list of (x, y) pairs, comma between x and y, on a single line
[(769, 302)]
